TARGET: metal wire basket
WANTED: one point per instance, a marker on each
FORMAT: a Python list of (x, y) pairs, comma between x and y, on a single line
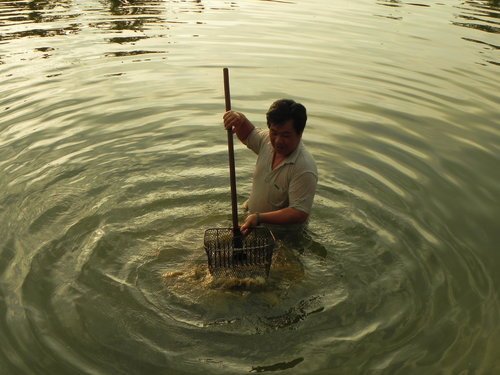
[(252, 259)]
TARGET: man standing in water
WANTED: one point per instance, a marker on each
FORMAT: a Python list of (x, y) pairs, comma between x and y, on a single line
[(285, 176)]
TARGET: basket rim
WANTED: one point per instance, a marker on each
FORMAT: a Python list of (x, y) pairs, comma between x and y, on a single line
[(260, 227)]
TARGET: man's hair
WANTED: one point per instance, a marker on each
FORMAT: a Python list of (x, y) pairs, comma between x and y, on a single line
[(283, 110)]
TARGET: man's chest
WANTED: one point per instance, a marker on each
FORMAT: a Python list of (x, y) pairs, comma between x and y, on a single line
[(276, 178)]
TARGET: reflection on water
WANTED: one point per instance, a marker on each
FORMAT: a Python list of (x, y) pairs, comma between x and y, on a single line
[(123, 22), (153, 19), (480, 15), (133, 15), (483, 16), (278, 366), (399, 3), (38, 12)]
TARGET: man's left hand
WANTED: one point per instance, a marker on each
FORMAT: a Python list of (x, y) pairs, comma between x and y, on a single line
[(250, 222)]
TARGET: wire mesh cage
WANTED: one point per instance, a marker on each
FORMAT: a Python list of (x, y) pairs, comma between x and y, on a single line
[(252, 259)]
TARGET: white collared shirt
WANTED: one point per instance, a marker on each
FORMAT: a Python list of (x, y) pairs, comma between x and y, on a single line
[(291, 184)]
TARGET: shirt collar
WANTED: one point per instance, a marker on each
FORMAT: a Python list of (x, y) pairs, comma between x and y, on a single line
[(292, 158)]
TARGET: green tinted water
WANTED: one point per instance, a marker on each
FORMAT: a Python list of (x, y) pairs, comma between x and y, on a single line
[(113, 163)]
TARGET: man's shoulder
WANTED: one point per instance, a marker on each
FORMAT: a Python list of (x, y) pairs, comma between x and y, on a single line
[(261, 133), (257, 139), (305, 161)]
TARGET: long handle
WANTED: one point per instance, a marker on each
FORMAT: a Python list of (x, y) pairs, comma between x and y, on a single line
[(230, 148)]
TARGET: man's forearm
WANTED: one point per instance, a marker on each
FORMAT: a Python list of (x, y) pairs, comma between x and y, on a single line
[(243, 131), (287, 215), (284, 216)]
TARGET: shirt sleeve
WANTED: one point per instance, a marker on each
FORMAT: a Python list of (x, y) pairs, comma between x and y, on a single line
[(302, 190), (256, 139)]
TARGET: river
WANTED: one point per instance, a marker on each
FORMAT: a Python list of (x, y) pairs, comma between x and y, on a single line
[(113, 163)]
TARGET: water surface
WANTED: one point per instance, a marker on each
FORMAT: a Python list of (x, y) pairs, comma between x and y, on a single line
[(113, 163)]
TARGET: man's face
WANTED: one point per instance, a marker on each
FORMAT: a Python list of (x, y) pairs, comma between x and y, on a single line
[(284, 138)]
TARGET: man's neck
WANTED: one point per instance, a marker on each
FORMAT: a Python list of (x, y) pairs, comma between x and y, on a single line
[(278, 159)]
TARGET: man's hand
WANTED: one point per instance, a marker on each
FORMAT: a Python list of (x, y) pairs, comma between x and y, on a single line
[(233, 120), (250, 222), (238, 123)]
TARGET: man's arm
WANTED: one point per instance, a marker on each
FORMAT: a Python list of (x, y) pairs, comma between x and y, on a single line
[(288, 215), (301, 195), (239, 124)]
